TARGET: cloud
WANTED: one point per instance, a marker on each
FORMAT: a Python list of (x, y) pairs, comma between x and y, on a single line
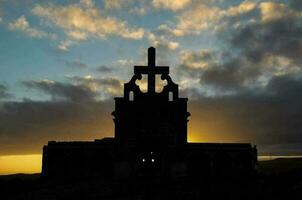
[(83, 20), (245, 7), (271, 11), (77, 35), (271, 115), (76, 64), (1, 20), (295, 4), (250, 87), (65, 45), (142, 10), (162, 42), (173, 31), (28, 125), (124, 62), (279, 37), (87, 3), (21, 24), (202, 16), (197, 60), (198, 18), (170, 4), (104, 69), (252, 53), (227, 76), (264, 117), (74, 112), (217, 72), (136, 7), (254, 77), (4, 92), (79, 88), (116, 4), (105, 87), (62, 91)]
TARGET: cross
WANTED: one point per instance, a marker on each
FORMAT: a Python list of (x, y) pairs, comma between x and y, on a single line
[(151, 70)]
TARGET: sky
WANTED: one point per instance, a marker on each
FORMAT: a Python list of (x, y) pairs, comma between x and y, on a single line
[(62, 62)]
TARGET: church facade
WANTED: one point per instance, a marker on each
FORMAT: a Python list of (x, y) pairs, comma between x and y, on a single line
[(150, 139)]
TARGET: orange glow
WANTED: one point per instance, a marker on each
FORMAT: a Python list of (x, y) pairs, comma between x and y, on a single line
[(20, 164), (194, 138), (215, 126)]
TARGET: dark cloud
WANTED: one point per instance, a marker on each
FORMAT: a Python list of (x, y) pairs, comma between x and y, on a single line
[(4, 92), (26, 126), (266, 116), (221, 70), (222, 77), (281, 37), (104, 69), (72, 113), (296, 4), (257, 48), (230, 75), (62, 91), (285, 87), (105, 86)]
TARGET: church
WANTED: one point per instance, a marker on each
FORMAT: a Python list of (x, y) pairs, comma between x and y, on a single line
[(150, 140)]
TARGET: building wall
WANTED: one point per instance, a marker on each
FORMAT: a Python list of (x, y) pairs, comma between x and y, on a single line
[(107, 161)]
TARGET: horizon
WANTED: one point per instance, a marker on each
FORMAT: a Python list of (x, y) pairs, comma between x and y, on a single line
[(14, 164)]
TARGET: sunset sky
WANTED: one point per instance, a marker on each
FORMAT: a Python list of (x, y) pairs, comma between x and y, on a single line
[(62, 62)]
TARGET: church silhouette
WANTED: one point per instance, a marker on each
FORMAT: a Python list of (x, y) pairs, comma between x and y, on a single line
[(150, 140)]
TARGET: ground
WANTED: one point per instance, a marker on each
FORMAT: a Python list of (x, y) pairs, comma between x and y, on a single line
[(276, 179)]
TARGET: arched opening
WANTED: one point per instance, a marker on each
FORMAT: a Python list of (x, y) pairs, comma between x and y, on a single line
[(159, 83), (131, 96), (170, 96), (142, 83)]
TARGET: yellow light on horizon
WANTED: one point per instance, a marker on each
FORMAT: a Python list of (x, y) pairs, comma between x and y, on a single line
[(13, 164), (193, 138)]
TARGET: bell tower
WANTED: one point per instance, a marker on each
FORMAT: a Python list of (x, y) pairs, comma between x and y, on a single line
[(151, 118)]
